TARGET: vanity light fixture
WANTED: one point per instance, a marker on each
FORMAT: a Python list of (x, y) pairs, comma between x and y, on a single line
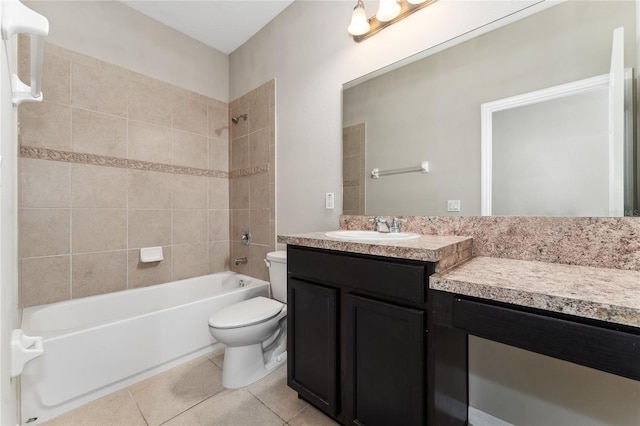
[(389, 12)]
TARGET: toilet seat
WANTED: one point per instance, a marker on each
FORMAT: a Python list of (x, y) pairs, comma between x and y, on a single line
[(245, 313)]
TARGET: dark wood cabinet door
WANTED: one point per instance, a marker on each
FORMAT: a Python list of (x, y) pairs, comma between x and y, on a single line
[(312, 323), (385, 363)]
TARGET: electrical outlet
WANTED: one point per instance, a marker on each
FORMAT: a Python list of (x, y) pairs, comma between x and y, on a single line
[(453, 205), (329, 200)]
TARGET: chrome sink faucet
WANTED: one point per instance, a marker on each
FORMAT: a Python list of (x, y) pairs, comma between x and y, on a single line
[(395, 225), (379, 222)]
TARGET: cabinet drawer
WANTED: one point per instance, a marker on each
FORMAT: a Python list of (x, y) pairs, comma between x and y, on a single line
[(402, 280), (613, 351)]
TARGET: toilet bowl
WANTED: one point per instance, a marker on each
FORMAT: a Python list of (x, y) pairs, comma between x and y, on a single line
[(254, 331)]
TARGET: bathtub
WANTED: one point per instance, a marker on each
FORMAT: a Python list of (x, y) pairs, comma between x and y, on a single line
[(96, 345)]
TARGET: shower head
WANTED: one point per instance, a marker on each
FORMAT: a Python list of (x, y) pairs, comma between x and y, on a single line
[(237, 118)]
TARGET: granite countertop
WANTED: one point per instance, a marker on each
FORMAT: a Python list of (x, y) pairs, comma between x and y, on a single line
[(448, 251), (611, 295)]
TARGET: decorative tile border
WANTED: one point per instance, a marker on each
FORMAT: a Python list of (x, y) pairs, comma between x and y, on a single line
[(350, 183), (103, 160), (264, 168)]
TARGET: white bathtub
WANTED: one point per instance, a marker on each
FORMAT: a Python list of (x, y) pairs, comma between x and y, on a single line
[(97, 345)]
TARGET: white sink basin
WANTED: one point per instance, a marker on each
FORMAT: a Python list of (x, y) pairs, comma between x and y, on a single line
[(372, 235)]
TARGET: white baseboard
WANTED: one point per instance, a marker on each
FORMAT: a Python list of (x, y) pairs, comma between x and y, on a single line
[(480, 418)]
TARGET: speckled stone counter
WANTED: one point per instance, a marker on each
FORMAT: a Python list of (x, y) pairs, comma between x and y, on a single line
[(448, 251), (603, 294)]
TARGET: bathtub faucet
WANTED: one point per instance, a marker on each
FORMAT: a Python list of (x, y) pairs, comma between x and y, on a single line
[(240, 261)]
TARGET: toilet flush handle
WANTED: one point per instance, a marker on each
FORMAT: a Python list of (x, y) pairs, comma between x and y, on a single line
[(267, 262)]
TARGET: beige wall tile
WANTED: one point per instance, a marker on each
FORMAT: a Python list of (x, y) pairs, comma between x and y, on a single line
[(24, 45), (98, 273), (149, 190), (218, 193), (271, 87), (56, 75), (218, 225), (98, 230), (190, 260), (56, 78), (257, 267), (219, 154), (97, 133), (352, 137), (218, 121), (98, 187), (45, 125), (190, 149), (350, 198), (190, 192), (146, 274), (45, 280), (272, 165), (148, 102), (272, 234), (240, 153), (239, 193), (190, 115), (259, 191), (144, 82), (148, 142), (259, 147), (218, 256), (259, 109), (44, 183), (239, 250), (119, 113), (149, 228), (240, 221), (260, 226), (100, 88), (241, 128), (351, 168), (44, 232), (272, 200), (190, 226)]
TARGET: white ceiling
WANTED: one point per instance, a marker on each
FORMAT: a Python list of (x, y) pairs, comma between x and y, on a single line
[(224, 25)]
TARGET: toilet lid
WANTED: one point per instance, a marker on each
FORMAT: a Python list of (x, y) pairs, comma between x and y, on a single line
[(246, 313)]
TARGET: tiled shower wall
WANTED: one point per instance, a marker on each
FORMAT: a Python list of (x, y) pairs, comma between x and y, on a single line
[(113, 161), (353, 172), (252, 179)]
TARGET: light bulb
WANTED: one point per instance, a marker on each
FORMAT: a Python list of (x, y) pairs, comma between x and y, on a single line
[(388, 10), (416, 1), (359, 22)]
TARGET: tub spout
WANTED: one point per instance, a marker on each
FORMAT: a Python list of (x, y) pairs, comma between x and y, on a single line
[(240, 261)]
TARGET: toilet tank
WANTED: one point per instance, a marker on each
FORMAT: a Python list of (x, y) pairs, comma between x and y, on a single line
[(277, 262)]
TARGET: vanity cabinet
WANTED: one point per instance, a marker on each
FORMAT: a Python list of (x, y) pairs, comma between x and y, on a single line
[(385, 363), (357, 335), (313, 328)]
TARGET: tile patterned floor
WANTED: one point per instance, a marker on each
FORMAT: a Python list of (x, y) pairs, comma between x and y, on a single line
[(192, 394)]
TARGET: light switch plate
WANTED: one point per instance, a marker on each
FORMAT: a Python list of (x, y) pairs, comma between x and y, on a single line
[(329, 200), (453, 205)]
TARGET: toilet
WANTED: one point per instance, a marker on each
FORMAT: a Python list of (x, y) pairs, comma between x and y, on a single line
[(254, 330)]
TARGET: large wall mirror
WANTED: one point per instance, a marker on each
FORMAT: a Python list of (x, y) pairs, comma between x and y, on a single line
[(430, 110)]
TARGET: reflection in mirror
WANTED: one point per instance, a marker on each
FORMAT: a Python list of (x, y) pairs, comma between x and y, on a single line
[(552, 151), (429, 110)]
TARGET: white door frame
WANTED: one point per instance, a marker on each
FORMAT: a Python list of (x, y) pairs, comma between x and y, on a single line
[(555, 92)]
